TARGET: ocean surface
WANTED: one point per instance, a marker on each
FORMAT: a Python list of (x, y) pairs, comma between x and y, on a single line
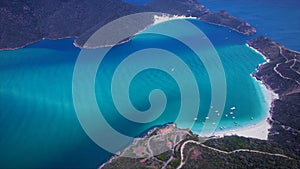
[(38, 124), (277, 19)]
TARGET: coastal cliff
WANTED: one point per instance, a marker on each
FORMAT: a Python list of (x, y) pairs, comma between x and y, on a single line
[(25, 22)]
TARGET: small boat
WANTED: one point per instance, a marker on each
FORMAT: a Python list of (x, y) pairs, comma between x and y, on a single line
[(217, 111), (231, 113), (218, 114), (226, 115), (233, 117), (222, 127), (173, 69), (232, 108), (195, 119), (207, 118)]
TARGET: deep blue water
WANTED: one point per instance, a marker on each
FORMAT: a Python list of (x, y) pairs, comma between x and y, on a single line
[(277, 19), (137, 2)]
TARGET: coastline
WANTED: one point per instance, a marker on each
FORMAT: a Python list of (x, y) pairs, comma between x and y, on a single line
[(186, 9), (156, 19), (259, 130), (39, 40), (232, 28)]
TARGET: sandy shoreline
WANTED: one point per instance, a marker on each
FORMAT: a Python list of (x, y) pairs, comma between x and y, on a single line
[(259, 130)]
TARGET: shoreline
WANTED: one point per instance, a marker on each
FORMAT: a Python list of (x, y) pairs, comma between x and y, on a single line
[(157, 19), (39, 40), (262, 129), (259, 130), (225, 26)]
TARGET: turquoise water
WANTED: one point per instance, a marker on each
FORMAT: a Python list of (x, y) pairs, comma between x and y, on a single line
[(39, 127)]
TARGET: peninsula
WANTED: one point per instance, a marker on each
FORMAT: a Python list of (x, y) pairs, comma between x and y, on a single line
[(27, 22)]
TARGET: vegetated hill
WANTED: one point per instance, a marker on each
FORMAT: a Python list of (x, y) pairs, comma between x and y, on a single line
[(24, 22)]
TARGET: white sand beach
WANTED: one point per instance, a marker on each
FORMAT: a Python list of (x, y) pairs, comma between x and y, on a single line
[(259, 130)]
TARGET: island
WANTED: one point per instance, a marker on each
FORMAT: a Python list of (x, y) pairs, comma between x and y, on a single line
[(26, 22)]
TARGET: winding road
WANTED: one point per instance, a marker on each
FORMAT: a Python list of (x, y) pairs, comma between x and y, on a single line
[(183, 161)]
